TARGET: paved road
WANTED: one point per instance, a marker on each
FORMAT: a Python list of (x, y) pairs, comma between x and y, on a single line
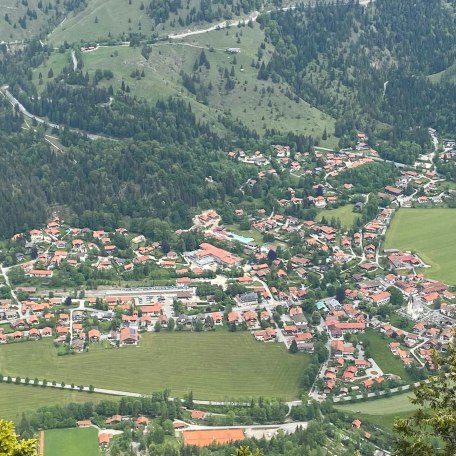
[(251, 17), (4, 272)]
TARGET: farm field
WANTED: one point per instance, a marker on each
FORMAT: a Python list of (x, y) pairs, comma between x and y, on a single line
[(429, 232), (381, 412), (215, 366), (344, 213), (71, 442), (28, 398), (381, 353)]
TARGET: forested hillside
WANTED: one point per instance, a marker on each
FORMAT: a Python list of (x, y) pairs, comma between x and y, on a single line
[(149, 185), (368, 66)]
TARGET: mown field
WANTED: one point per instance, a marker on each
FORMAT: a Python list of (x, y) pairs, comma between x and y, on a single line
[(381, 412), (344, 213), (71, 442), (382, 355), (215, 366), (430, 233), (16, 399)]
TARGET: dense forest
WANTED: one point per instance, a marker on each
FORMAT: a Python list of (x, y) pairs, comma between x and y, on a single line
[(100, 183), (369, 66)]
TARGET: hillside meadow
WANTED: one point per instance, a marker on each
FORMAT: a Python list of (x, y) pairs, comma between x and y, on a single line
[(258, 104)]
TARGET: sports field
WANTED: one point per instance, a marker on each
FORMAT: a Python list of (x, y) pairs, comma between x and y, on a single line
[(71, 442), (432, 234), (28, 398), (381, 412), (344, 213), (215, 366)]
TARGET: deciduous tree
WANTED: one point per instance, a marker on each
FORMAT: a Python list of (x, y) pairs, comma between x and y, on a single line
[(10, 445)]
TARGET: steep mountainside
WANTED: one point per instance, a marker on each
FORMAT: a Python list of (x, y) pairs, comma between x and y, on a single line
[(368, 65), (105, 20)]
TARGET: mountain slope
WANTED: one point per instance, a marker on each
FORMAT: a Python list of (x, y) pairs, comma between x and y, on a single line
[(25, 19), (339, 58), (168, 69), (102, 20)]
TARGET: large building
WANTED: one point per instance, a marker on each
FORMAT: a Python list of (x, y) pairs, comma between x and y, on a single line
[(209, 254)]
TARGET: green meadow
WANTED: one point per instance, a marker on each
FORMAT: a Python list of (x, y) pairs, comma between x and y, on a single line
[(214, 365), (71, 442), (431, 234)]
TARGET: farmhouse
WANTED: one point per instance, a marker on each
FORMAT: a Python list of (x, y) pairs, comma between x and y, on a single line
[(265, 335), (340, 349), (153, 310), (393, 190), (400, 261), (103, 440), (129, 336)]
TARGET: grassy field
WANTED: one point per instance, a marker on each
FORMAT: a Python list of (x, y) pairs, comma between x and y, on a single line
[(106, 19), (429, 232), (381, 412), (382, 355), (214, 366), (28, 398), (71, 442), (101, 19), (344, 213), (399, 403)]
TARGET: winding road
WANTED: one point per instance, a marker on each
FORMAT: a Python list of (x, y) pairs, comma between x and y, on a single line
[(15, 102)]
